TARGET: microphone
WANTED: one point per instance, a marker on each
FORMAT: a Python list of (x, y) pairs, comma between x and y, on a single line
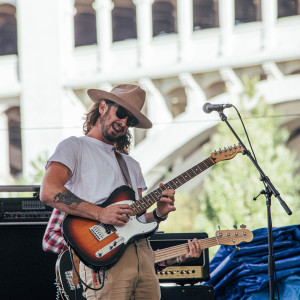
[(208, 108)]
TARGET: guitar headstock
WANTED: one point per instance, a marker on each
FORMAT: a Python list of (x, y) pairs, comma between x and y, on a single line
[(226, 153), (234, 237)]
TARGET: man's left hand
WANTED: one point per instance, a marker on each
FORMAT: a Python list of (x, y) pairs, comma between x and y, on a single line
[(195, 250), (166, 203)]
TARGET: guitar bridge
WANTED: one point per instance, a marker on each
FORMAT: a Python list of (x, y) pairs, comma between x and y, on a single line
[(99, 232)]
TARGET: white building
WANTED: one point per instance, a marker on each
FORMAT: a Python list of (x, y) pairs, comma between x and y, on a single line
[(183, 53)]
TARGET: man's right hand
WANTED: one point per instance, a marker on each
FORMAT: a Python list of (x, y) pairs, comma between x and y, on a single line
[(115, 214)]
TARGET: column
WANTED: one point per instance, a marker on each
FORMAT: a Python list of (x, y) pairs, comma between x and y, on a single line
[(185, 27), (272, 70), (157, 109), (233, 84), (269, 16), (144, 28), (67, 36), (195, 95), (226, 21), (103, 10), (40, 38)]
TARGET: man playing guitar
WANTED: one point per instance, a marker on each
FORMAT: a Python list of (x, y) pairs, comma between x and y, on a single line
[(84, 179)]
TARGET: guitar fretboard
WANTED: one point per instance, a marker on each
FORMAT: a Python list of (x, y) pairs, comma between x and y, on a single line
[(144, 203), (171, 252)]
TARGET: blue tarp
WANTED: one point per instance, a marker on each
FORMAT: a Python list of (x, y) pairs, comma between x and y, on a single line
[(244, 275)]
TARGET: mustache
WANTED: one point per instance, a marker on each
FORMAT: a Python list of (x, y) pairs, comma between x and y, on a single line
[(122, 128)]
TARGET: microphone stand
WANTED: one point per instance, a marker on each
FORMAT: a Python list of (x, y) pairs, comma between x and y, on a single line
[(268, 192)]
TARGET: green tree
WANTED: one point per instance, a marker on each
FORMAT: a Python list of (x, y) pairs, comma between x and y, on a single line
[(226, 196), (37, 171)]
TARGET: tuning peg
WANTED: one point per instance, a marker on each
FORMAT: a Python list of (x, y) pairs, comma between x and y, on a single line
[(234, 226), (237, 249), (219, 227), (220, 150), (243, 226)]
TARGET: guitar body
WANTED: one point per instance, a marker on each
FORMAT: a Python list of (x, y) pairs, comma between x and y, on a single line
[(64, 275), (101, 245)]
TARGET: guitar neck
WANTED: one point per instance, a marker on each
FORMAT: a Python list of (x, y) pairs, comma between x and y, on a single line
[(172, 252), (144, 203)]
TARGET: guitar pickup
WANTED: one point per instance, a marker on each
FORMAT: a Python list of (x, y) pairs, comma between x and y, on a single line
[(109, 247)]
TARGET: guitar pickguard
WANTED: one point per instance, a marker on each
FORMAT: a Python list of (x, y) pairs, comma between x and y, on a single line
[(124, 234)]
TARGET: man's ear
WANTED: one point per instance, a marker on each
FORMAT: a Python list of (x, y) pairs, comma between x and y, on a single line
[(102, 107)]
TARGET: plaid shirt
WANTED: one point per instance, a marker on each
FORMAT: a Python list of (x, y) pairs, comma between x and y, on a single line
[(53, 240)]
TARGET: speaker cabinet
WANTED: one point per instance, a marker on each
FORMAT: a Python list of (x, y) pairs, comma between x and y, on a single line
[(27, 272), (195, 292)]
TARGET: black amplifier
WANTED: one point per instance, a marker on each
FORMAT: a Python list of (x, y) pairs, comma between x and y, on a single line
[(23, 209), (188, 272)]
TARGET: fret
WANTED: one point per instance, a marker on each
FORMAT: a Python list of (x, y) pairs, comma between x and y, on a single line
[(144, 203)]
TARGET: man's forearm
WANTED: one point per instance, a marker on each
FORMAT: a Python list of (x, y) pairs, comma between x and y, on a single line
[(69, 203)]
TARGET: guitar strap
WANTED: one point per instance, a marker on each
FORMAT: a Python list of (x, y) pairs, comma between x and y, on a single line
[(123, 167), (76, 260)]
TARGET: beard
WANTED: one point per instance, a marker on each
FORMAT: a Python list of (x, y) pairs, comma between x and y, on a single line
[(105, 125)]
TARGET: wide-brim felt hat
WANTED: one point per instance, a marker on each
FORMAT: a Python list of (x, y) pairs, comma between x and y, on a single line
[(129, 96)]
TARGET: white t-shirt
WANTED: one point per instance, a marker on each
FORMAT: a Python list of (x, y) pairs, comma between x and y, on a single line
[(95, 170)]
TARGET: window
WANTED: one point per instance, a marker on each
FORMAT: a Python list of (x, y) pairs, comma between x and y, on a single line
[(8, 30), (163, 13), (247, 11), (205, 14), (288, 8), (85, 25), (124, 23), (15, 145)]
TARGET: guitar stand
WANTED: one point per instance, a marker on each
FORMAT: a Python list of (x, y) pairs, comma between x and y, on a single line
[(268, 192), (98, 274)]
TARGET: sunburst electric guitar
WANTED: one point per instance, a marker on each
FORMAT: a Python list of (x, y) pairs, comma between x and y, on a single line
[(101, 245)]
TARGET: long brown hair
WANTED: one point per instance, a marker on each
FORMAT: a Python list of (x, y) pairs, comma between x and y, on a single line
[(122, 144)]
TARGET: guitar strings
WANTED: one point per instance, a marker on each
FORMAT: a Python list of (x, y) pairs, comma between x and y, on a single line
[(144, 203), (171, 252)]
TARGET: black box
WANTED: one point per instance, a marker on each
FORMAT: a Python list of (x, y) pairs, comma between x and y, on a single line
[(27, 272), (195, 292), (188, 272)]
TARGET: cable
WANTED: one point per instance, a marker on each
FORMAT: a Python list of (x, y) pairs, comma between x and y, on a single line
[(87, 286), (245, 131), (155, 123)]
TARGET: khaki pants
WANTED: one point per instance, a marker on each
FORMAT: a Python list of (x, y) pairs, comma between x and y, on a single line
[(132, 277)]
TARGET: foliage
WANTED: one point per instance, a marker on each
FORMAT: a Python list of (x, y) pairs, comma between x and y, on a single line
[(35, 177), (226, 196)]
